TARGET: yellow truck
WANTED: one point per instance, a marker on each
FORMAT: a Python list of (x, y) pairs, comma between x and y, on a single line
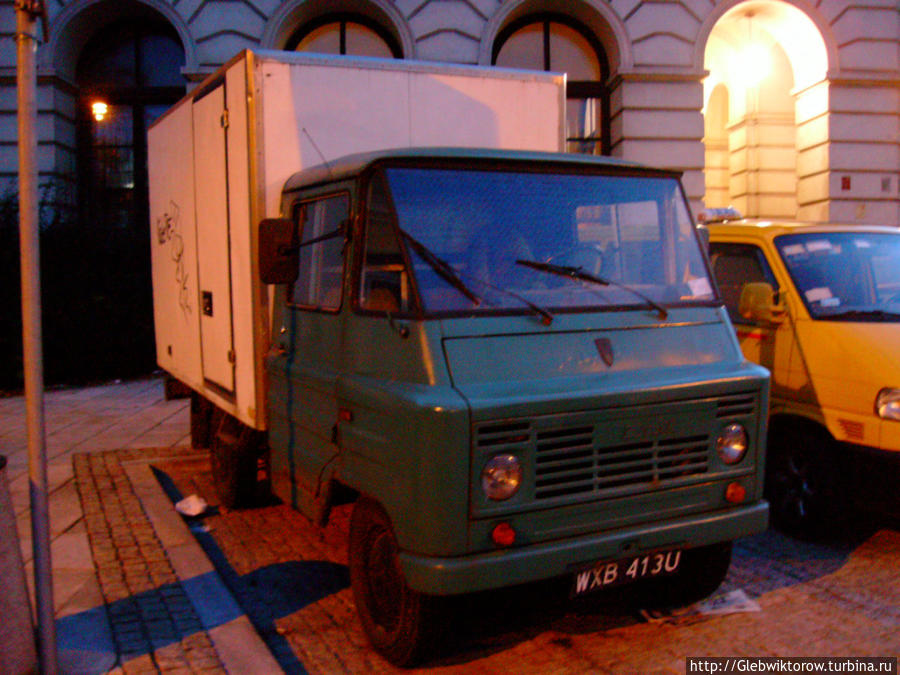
[(819, 306)]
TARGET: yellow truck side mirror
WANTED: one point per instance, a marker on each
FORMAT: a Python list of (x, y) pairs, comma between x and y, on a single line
[(758, 303)]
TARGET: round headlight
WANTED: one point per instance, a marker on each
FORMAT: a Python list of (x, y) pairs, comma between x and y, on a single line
[(732, 444), (887, 404), (501, 477)]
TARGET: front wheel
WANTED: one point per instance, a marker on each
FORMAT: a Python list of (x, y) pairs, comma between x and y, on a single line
[(802, 480), (400, 623), (701, 572)]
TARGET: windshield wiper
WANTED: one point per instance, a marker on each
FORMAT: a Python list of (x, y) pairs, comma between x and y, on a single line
[(861, 314), (579, 274), (443, 268), (546, 317), (446, 272)]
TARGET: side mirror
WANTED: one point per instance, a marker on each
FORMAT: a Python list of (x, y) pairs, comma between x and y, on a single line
[(279, 255), (758, 304)]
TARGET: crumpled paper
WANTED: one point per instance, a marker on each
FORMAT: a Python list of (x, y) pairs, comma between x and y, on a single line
[(730, 602), (192, 506)]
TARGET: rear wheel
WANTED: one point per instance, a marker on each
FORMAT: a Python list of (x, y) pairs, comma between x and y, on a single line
[(201, 421), (400, 623), (234, 453)]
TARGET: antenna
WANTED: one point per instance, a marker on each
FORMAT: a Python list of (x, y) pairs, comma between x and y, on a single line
[(316, 147)]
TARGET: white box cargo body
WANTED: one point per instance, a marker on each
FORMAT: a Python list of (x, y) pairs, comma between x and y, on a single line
[(219, 158)]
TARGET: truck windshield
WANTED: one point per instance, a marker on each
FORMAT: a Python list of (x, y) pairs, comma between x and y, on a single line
[(633, 232), (845, 276)]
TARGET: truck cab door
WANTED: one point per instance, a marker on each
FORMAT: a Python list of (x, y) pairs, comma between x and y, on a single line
[(769, 344), (306, 356)]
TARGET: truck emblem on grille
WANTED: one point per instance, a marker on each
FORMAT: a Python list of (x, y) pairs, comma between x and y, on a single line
[(605, 349)]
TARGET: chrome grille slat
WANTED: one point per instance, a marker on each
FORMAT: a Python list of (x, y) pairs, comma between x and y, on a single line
[(560, 468), (545, 457), (616, 480), (572, 476), (730, 406), (682, 463)]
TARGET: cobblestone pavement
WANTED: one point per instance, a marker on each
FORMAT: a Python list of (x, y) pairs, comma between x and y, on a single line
[(154, 625), (836, 599), (135, 593)]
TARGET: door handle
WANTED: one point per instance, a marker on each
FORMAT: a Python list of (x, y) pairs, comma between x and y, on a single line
[(280, 348)]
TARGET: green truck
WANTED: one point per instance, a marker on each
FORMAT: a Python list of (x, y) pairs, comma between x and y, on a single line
[(517, 367), (512, 362)]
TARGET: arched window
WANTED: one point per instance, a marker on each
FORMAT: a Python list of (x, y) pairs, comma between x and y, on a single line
[(557, 43), (353, 34), (134, 69)]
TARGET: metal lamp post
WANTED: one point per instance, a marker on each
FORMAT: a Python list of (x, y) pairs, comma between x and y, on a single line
[(27, 13)]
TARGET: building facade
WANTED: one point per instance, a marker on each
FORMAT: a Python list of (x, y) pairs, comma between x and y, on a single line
[(782, 109), (779, 108)]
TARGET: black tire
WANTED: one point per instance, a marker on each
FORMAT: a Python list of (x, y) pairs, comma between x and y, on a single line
[(234, 453), (802, 480), (401, 624), (702, 571)]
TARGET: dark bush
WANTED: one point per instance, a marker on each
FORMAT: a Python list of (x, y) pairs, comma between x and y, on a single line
[(97, 310), (10, 296)]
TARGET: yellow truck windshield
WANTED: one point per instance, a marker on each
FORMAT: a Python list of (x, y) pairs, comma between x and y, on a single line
[(620, 241), (845, 276)]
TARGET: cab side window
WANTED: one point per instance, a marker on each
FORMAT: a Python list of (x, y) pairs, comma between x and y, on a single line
[(322, 227), (735, 265)]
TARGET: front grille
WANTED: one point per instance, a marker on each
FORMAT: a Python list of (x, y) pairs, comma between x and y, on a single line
[(614, 452), (567, 462)]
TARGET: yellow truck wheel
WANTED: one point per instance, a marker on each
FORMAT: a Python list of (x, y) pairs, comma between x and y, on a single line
[(802, 479)]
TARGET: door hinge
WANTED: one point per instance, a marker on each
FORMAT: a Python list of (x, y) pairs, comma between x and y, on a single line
[(231, 358), (224, 119)]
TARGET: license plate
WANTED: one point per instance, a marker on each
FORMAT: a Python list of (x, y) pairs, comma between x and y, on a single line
[(611, 573)]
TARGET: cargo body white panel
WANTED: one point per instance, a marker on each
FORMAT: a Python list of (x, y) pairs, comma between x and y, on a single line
[(213, 247), (174, 248), (219, 159)]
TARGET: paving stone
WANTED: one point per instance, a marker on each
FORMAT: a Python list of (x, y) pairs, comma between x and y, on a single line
[(149, 612), (816, 599)]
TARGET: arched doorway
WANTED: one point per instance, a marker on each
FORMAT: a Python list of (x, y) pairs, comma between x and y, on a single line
[(766, 61), (557, 42), (97, 270), (131, 71)]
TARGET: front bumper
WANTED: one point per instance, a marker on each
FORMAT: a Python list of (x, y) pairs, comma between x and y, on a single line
[(508, 567)]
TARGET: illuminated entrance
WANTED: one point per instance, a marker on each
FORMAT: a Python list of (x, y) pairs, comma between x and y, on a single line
[(765, 104)]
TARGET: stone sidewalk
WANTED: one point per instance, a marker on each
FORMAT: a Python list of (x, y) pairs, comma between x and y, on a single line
[(133, 591)]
